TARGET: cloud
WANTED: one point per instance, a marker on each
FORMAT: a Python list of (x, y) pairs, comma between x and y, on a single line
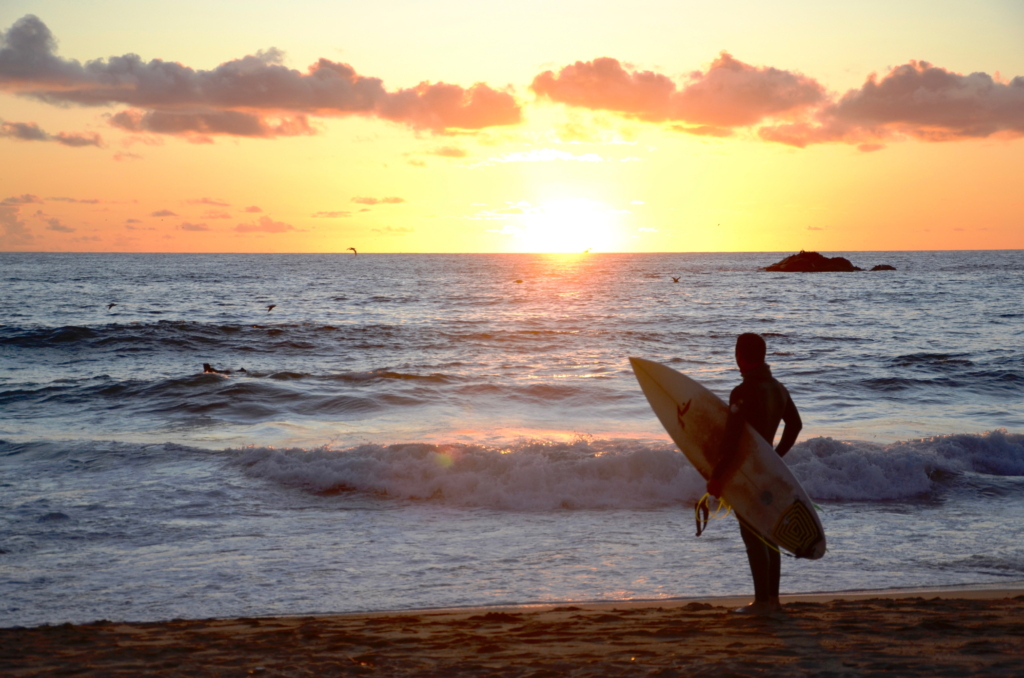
[(54, 224), (23, 199), (30, 131), (133, 221), (915, 100), (378, 201), (208, 201), (728, 94), (331, 215), (15, 231), (393, 230), (449, 152), (265, 225), (252, 209), (163, 213), (84, 201), (186, 226), (196, 126), (124, 155), (239, 97), (216, 214), (26, 131), (78, 140)]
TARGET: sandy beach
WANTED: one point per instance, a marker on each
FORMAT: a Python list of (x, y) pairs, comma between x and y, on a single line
[(947, 632)]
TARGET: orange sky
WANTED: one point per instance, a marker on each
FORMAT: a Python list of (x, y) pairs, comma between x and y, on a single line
[(314, 126)]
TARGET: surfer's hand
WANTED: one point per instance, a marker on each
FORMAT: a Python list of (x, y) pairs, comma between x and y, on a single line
[(714, 487)]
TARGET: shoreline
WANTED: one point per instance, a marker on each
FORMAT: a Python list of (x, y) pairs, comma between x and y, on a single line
[(951, 631), (990, 591)]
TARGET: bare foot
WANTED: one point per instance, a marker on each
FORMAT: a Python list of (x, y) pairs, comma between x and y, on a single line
[(761, 608)]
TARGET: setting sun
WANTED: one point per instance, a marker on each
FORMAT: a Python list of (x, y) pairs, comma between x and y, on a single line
[(568, 225)]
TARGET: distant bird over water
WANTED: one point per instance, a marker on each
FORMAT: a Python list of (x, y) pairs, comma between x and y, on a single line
[(354, 251), (674, 279), (271, 307), (111, 305)]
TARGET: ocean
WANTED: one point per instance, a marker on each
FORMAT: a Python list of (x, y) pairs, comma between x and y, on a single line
[(415, 431)]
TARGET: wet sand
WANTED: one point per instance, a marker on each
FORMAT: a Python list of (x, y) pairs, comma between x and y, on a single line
[(948, 632)]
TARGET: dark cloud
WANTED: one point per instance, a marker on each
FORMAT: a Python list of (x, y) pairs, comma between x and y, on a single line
[(15, 231), (133, 221), (186, 226), (84, 201), (917, 100), (235, 97), (163, 213), (23, 199), (729, 94), (30, 131), (201, 124), (26, 131), (331, 215), (53, 224), (265, 225), (378, 201)]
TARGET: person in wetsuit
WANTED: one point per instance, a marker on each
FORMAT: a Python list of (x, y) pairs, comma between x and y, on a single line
[(762, 402)]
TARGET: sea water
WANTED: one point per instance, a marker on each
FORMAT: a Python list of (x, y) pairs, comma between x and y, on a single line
[(419, 431)]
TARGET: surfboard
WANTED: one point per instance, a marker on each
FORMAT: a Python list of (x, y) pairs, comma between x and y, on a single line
[(763, 492)]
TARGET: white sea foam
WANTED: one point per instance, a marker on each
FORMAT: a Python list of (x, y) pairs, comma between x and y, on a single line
[(608, 474), (859, 471)]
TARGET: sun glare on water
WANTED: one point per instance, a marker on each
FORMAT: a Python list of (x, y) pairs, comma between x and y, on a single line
[(569, 225)]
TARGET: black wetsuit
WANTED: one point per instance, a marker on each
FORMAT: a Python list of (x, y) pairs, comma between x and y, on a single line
[(763, 402)]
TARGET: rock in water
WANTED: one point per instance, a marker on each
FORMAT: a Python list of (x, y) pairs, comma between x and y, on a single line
[(883, 267), (812, 262)]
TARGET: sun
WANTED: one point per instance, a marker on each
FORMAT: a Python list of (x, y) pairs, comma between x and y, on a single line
[(569, 225)]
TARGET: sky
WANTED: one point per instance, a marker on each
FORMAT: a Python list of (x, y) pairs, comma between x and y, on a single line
[(482, 126)]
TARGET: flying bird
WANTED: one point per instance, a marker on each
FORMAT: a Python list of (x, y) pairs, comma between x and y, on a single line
[(111, 305), (354, 251), (674, 279), (271, 307)]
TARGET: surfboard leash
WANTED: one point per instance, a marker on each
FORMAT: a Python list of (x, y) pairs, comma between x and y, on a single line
[(702, 512)]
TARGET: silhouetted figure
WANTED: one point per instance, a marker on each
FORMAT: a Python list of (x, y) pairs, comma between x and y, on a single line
[(675, 279), (271, 307), (354, 253), (209, 370), (762, 402), (110, 306)]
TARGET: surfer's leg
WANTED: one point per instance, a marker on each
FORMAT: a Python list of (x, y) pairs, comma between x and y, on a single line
[(774, 574), (760, 564)]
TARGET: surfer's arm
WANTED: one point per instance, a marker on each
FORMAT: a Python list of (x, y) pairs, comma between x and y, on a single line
[(726, 462), (791, 418)]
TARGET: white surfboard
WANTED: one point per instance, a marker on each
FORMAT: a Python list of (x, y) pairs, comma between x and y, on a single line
[(763, 492)]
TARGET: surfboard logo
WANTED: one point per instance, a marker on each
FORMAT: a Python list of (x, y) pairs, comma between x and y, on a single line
[(796, 530), (682, 410)]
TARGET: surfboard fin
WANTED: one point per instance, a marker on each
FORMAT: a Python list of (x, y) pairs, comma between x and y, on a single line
[(702, 512)]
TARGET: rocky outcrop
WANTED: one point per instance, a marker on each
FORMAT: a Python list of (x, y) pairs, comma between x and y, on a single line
[(883, 267), (812, 262)]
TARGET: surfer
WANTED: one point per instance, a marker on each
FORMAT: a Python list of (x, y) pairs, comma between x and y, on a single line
[(207, 369), (762, 402)]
